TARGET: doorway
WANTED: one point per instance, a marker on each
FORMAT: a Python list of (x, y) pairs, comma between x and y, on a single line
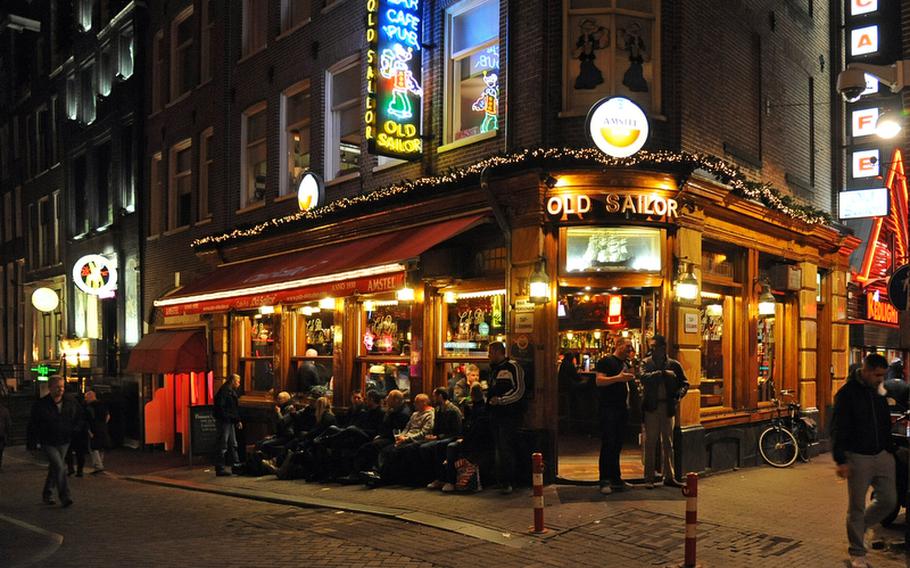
[(591, 318)]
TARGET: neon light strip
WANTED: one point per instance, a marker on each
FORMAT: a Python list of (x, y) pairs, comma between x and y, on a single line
[(482, 294), (278, 286)]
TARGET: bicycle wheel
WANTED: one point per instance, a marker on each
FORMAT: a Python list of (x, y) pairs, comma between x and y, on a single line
[(803, 441), (778, 447)]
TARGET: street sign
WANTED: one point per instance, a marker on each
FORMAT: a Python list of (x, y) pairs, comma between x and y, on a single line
[(899, 287)]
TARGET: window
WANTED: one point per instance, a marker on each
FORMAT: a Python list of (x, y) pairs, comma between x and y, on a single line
[(206, 159), (88, 315), (294, 13), (180, 199), (156, 194), (80, 196), (472, 73), (87, 97), (296, 118), (31, 147), (131, 295), (385, 346), (610, 47), (255, 338), (106, 70), (54, 257), (45, 232), (45, 140), (72, 97), (207, 54), (183, 68), (104, 184), (159, 72), (55, 113), (126, 53), (255, 25), (472, 322), (254, 149), (343, 130), (84, 10), (613, 249), (17, 196), (4, 148), (128, 149), (7, 216), (33, 237), (717, 335), (312, 342)]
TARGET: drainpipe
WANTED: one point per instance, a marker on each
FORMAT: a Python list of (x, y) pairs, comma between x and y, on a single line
[(503, 223)]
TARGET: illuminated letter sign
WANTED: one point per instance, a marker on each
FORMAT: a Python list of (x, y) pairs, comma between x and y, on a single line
[(394, 75), (862, 203), (864, 121), (96, 275), (864, 41), (860, 7), (617, 126), (876, 310), (652, 206), (865, 163)]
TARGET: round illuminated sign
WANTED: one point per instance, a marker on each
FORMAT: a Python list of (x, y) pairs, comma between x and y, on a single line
[(45, 300), (310, 191), (95, 274), (617, 126)]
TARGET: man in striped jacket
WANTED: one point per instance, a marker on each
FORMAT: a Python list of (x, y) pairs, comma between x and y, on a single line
[(507, 405)]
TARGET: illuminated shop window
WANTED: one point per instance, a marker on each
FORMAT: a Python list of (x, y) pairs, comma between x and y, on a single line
[(296, 118), (255, 338), (387, 329), (769, 364), (613, 249), (473, 86), (343, 129), (313, 345), (717, 334), (473, 321), (254, 149), (131, 301)]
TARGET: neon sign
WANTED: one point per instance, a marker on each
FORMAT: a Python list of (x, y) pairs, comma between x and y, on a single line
[(394, 72), (96, 275), (44, 371), (876, 310), (881, 248)]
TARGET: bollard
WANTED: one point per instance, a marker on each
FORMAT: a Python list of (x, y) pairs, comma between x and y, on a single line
[(691, 493), (537, 482)]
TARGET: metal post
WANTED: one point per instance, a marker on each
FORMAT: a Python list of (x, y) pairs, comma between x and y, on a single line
[(691, 493), (537, 467)]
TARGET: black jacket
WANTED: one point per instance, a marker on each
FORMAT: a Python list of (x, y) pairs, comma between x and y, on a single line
[(51, 427), (507, 382), (447, 423), (862, 422), (394, 420), (284, 427), (6, 422), (369, 420), (227, 404), (675, 384), (97, 415)]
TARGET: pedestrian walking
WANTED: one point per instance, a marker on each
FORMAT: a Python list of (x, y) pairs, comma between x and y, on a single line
[(6, 426), (97, 418), (227, 415), (863, 450), (612, 379), (79, 447), (53, 420), (506, 405), (664, 384)]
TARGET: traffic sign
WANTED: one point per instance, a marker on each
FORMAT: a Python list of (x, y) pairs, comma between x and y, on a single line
[(899, 287)]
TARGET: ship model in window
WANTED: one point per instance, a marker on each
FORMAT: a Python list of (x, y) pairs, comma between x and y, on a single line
[(606, 251)]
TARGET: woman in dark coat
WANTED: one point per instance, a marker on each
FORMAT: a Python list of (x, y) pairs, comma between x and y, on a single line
[(97, 417)]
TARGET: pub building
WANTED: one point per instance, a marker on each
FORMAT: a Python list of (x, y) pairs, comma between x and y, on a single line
[(553, 252)]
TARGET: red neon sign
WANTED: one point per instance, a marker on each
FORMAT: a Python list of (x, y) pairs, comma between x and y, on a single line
[(879, 253), (614, 309)]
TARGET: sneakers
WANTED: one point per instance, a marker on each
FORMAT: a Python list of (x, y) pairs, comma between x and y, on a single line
[(66, 502), (670, 482), (98, 471), (270, 466), (48, 500), (874, 540), (222, 473), (606, 490), (448, 488), (505, 489), (621, 486), (859, 562), (436, 484), (649, 485)]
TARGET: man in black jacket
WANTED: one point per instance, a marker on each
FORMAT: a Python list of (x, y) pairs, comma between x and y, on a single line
[(664, 385), (227, 414), (53, 420), (861, 429), (506, 405)]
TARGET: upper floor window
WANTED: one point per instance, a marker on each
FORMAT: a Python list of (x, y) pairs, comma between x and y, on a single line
[(84, 9), (183, 67), (8, 216), (296, 120), (255, 25), (104, 184), (207, 59), (472, 71), (342, 154), (159, 72), (254, 163), (156, 193), (180, 196), (106, 70), (72, 96), (610, 48), (87, 99), (206, 159), (127, 160), (126, 53), (80, 195), (294, 13)]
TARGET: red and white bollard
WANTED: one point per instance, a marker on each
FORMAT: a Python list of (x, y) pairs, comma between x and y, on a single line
[(537, 482), (691, 493)]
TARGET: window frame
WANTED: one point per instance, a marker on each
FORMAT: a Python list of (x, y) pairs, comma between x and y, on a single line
[(88, 111), (178, 56), (156, 199), (332, 162), (247, 193), (206, 138), (207, 25), (159, 71), (174, 179), (285, 186), (287, 17), (247, 49)]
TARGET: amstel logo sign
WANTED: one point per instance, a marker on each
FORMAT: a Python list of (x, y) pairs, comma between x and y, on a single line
[(96, 275), (617, 126)]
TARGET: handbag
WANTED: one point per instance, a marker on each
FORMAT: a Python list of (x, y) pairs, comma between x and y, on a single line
[(467, 476)]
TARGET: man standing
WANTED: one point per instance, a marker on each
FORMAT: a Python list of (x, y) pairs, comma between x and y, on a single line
[(664, 386), (227, 414), (506, 406), (53, 420), (612, 380), (862, 449)]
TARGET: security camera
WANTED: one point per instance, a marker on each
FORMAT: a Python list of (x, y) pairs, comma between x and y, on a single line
[(850, 84)]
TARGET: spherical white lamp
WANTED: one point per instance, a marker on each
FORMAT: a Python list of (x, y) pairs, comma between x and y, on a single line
[(45, 300)]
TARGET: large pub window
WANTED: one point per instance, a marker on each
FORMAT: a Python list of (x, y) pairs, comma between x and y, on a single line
[(385, 345), (721, 304), (312, 341), (256, 337)]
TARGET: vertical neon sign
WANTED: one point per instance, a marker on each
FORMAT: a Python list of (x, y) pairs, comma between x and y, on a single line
[(394, 73)]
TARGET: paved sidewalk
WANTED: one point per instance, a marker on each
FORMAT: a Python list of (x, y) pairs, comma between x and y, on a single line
[(759, 516)]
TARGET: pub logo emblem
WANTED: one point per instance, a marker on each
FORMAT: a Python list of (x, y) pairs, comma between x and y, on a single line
[(96, 275), (617, 126)]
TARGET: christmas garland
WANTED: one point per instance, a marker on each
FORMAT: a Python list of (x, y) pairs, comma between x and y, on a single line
[(550, 158)]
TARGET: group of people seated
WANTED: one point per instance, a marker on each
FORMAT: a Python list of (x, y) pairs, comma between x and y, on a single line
[(381, 441)]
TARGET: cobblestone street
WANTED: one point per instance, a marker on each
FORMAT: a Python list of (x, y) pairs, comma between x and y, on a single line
[(118, 522)]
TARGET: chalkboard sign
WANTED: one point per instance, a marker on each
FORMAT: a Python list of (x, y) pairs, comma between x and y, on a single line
[(204, 431)]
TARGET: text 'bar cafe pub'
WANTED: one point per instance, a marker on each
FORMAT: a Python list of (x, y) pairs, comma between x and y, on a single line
[(555, 252)]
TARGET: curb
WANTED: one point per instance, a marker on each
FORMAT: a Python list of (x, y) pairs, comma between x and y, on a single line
[(466, 528)]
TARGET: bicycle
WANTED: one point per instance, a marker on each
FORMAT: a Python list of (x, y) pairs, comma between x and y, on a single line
[(787, 437)]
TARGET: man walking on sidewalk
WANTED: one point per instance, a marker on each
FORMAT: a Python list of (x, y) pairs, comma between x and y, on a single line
[(862, 449), (227, 414), (53, 420), (506, 404)]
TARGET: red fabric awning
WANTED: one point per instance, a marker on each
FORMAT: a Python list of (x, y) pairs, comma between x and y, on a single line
[(365, 265), (170, 352)]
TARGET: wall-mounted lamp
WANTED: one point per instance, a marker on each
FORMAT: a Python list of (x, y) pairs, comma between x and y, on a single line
[(767, 304), (266, 310), (539, 283), (450, 297), (327, 303), (405, 294), (369, 306), (687, 285)]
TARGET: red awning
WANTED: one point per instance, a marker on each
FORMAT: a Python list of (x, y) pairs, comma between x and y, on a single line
[(365, 265), (170, 352)]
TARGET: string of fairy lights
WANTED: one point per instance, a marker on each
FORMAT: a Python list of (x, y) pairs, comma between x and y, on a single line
[(547, 158)]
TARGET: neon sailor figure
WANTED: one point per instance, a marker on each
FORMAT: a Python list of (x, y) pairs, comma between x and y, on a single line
[(488, 102), (393, 64)]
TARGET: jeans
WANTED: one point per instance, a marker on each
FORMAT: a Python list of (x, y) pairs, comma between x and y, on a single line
[(97, 459), (56, 472), (877, 471), (613, 422), (505, 429), (658, 426), (227, 445)]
